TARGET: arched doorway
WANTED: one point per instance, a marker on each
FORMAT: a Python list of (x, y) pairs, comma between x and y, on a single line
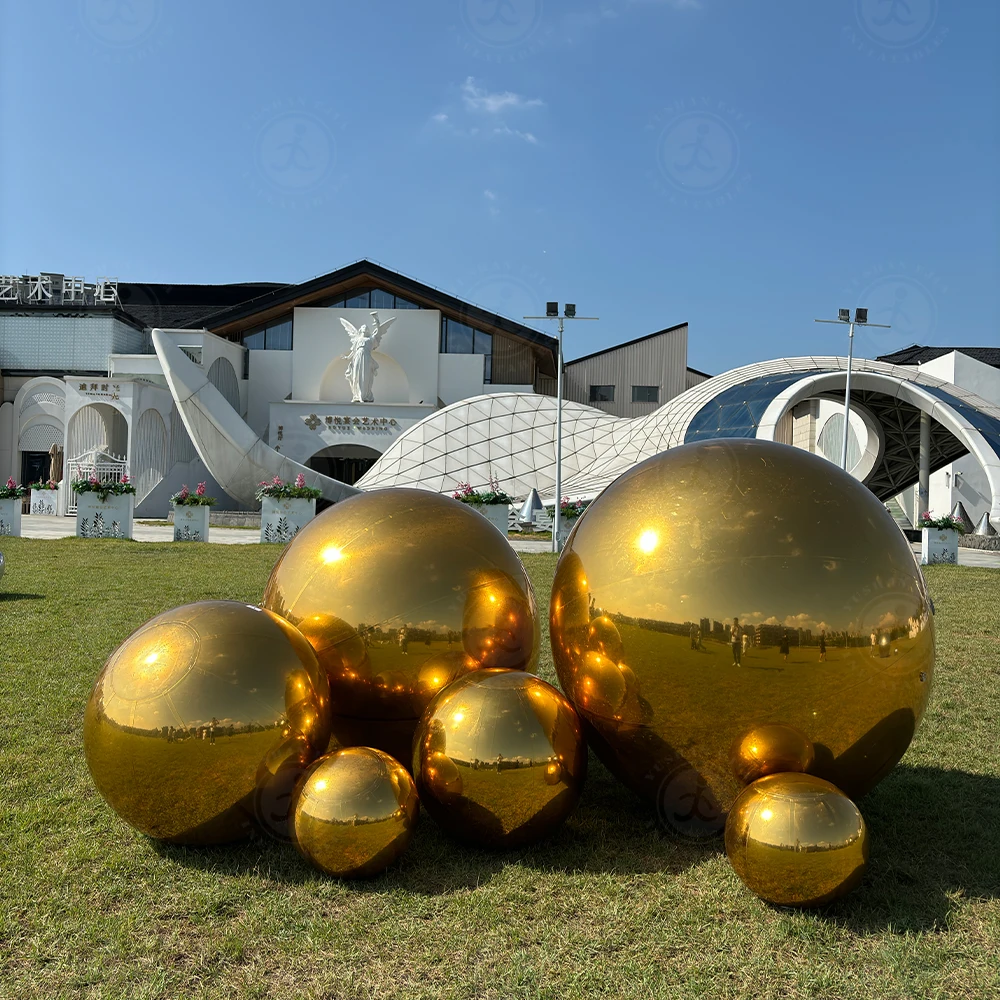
[(344, 462)]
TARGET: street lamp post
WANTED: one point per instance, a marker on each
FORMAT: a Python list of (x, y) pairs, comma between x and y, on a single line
[(552, 312), (860, 319)]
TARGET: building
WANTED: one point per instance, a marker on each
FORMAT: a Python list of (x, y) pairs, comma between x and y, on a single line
[(80, 372)]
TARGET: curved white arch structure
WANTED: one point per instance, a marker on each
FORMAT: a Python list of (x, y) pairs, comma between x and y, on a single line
[(512, 436), (237, 458)]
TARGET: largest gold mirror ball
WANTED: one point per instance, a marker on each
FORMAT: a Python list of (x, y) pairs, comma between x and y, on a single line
[(733, 584), (201, 719), (400, 592)]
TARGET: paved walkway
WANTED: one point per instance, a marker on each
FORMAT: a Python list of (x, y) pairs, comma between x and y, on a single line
[(40, 526)]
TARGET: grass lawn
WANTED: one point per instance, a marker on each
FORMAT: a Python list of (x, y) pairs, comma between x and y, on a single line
[(610, 906)]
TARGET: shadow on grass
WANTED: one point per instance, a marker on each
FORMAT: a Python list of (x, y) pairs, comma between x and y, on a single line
[(934, 836), (7, 595)]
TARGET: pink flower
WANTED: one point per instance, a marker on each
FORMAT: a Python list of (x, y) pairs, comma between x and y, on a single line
[(277, 481), (185, 492), (94, 480), (10, 483), (200, 491), (124, 477), (300, 481)]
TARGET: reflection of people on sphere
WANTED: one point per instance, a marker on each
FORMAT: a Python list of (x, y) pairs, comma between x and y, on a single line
[(694, 636), (404, 639), (783, 648), (822, 646), (874, 643), (736, 641)]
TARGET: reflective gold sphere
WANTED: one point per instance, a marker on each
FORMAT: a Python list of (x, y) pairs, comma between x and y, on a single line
[(796, 840), (400, 592), (833, 629), (201, 720), (354, 812), (499, 758), (773, 748)]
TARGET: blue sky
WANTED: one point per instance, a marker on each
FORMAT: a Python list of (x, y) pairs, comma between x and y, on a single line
[(744, 167)]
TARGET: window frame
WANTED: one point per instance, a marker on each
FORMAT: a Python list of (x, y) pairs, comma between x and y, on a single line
[(595, 397)]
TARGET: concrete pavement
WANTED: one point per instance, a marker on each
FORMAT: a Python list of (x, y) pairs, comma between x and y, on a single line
[(41, 526)]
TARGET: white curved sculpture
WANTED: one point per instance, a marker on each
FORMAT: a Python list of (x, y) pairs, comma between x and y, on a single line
[(237, 458), (511, 436)]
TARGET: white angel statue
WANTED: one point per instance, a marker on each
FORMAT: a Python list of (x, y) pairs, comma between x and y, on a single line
[(361, 366)]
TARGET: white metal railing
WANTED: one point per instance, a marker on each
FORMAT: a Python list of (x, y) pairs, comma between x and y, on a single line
[(107, 468)]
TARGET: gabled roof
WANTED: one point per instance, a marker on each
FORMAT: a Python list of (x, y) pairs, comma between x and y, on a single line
[(274, 302), (179, 306), (917, 355), (629, 343)]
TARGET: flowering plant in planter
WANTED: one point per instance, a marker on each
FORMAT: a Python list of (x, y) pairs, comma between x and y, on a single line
[(11, 491), (185, 498), (103, 490), (945, 523), (482, 498), (570, 510), (47, 484), (277, 489)]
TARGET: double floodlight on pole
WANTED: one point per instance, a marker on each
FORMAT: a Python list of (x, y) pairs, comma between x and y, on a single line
[(860, 319), (552, 312)]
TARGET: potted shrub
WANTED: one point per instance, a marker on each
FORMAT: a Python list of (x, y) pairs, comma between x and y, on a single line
[(11, 496), (493, 503), (569, 513), (104, 510), (285, 508), (939, 538), (191, 514), (44, 497)]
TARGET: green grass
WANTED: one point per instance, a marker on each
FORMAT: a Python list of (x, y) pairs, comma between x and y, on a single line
[(609, 906)]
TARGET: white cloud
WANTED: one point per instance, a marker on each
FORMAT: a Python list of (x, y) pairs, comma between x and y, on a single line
[(440, 117), (476, 98), (489, 195), (507, 130)]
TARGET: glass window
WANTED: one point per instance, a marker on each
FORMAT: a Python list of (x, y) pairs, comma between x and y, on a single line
[(460, 338), (645, 394), (602, 393), (382, 300), (336, 303), (279, 336), (359, 300), (254, 341), (405, 304), (487, 369)]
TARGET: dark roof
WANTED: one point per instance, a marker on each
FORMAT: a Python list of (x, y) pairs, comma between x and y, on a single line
[(269, 303), (184, 305), (917, 355), (629, 343)]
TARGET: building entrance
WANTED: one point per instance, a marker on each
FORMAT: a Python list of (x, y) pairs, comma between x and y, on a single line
[(346, 462), (35, 466)]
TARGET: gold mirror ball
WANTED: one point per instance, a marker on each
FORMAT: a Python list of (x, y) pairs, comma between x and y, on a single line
[(732, 590), (199, 718)]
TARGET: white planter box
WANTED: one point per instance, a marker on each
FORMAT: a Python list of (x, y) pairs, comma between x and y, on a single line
[(496, 514), (44, 502), (110, 519), (565, 527), (280, 520), (191, 523), (10, 517), (938, 545)]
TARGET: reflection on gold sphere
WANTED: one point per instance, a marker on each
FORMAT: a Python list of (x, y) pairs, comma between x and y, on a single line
[(354, 812), (771, 749), (796, 840), (201, 720), (816, 574), (499, 758), (400, 592)]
